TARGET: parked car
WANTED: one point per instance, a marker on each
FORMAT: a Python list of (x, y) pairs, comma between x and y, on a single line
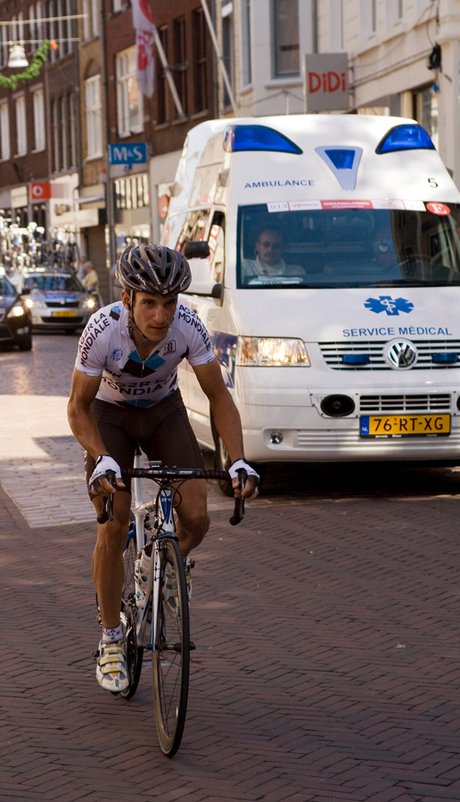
[(57, 299), (15, 317)]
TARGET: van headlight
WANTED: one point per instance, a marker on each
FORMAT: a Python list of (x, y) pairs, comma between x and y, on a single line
[(271, 352), (90, 303)]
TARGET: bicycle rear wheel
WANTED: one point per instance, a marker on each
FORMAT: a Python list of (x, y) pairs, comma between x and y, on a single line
[(171, 656)]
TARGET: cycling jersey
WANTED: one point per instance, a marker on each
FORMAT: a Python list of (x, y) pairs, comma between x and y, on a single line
[(106, 349)]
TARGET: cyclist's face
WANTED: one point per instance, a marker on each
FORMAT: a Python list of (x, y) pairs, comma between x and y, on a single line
[(153, 314)]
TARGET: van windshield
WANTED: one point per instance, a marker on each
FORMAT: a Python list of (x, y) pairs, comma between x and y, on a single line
[(348, 247), (53, 283)]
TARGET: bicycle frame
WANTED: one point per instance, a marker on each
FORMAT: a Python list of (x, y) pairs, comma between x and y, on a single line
[(148, 616)]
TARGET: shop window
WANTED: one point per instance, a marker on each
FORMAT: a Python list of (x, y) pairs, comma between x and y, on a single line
[(132, 193)]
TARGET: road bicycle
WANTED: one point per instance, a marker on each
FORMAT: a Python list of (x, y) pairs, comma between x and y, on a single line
[(151, 621)]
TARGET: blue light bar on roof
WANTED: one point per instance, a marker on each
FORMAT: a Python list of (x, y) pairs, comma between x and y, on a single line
[(257, 137), (405, 137), (341, 158), (343, 162)]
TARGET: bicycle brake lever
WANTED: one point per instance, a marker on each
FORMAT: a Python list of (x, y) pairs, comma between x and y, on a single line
[(107, 505)]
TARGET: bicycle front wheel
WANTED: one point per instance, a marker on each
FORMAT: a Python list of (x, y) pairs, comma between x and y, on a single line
[(171, 656)]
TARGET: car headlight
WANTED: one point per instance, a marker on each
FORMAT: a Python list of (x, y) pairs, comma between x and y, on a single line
[(37, 302), (272, 352), (16, 311), (90, 303)]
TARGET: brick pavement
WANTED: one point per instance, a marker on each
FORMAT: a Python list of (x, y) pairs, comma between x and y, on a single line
[(326, 667)]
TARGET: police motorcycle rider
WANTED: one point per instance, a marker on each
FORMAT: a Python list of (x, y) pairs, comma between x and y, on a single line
[(135, 347)]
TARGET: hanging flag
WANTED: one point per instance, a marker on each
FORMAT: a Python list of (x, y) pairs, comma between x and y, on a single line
[(142, 16), (144, 62), (145, 29)]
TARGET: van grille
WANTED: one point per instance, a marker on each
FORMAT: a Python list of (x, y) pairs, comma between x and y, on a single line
[(374, 350), (405, 403)]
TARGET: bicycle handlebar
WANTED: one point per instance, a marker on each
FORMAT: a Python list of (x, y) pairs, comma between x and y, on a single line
[(171, 475)]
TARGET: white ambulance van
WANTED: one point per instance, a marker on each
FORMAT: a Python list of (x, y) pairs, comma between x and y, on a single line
[(325, 254)]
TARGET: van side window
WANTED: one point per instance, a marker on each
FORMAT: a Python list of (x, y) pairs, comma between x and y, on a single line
[(216, 242), (194, 228)]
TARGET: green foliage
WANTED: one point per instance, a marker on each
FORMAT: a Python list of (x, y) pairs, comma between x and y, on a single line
[(31, 71)]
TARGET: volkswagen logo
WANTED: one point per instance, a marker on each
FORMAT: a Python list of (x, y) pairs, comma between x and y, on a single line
[(401, 354)]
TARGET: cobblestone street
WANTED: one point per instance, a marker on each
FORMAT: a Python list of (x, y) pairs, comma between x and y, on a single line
[(326, 626)]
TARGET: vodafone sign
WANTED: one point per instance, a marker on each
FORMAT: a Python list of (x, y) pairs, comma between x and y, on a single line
[(326, 81), (40, 190)]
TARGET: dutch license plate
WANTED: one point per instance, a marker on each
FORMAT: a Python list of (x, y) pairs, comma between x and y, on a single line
[(404, 425), (64, 313)]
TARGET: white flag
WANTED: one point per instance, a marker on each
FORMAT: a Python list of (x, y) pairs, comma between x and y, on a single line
[(145, 29), (142, 16), (144, 62)]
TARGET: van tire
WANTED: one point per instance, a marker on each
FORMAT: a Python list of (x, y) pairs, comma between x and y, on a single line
[(222, 463)]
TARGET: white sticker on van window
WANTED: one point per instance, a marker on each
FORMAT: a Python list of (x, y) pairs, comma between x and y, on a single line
[(297, 206), (387, 204), (414, 205), (346, 204), (278, 207)]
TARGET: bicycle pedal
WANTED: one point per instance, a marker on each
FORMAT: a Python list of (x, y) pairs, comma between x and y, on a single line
[(192, 646), (95, 654)]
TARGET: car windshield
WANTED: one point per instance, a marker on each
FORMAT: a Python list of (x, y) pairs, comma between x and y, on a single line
[(6, 288), (328, 247), (47, 283)]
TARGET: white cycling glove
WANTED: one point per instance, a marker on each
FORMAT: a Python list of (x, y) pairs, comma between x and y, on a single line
[(241, 464), (103, 464)]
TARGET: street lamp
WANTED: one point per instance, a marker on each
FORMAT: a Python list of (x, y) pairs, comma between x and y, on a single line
[(17, 57)]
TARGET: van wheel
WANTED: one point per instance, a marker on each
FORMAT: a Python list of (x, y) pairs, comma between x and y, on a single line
[(222, 463)]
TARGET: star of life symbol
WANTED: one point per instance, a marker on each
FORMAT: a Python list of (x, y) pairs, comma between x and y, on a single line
[(385, 303)]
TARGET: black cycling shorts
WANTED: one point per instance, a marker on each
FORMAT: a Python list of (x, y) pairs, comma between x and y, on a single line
[(163, 432)]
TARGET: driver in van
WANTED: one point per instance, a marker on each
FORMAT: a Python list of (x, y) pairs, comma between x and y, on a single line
[(269, 252)]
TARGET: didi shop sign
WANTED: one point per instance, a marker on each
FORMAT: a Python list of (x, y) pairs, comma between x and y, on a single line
[(326, 81)]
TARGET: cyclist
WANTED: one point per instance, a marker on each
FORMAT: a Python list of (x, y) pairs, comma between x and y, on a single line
[(125, 392)]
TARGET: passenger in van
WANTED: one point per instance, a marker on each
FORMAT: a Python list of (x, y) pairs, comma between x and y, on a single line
[(269, 248), (384, 249)]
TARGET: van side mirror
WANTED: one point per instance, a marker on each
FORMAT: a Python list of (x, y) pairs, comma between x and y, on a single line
[(25, 291), (196, 249), (201, 283)]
